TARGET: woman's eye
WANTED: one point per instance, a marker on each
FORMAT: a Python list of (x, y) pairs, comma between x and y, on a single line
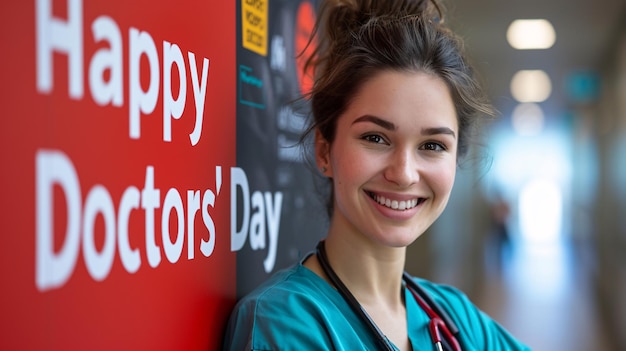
[(373, 138), (431, 146)]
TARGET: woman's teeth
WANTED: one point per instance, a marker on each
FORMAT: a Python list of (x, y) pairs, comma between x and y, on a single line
[(395, 204)]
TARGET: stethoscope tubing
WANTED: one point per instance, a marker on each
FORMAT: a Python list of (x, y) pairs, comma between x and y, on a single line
[(347, 295), (441, 313), (436, 325), (439, 319)]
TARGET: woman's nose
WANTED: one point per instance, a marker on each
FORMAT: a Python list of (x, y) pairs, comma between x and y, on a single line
[(403, 168)]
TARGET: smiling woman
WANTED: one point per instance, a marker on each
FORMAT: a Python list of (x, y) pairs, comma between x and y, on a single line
[(393, 104), (406, 154)]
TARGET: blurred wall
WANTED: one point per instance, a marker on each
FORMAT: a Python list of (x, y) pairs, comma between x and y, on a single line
[(609, 209), (453, 250)]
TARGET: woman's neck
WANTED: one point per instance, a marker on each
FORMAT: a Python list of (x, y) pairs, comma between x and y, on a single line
[(373, 275), (371, 271)]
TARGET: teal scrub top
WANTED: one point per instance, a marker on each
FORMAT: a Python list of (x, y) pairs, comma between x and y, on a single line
[(295, 309)]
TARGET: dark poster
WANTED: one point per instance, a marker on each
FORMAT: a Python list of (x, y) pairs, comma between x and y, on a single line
[(279, 213)]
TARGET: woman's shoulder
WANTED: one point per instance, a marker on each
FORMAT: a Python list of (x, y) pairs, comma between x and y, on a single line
[(291, 308), (289, 294), (283, 286), (450, 298), (478, 330), (443, 293)]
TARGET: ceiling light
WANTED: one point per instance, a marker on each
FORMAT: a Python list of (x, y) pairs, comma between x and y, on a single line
[(531, 86), (527, 119), (531, 34)]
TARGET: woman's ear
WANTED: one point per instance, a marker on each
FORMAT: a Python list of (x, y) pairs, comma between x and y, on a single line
[(322, 154)]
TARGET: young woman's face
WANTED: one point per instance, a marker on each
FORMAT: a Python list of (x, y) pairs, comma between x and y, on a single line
[(393, 160)]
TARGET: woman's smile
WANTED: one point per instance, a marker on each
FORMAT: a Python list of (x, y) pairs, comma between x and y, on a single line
[(399, 205), (396, 203), (395, 207)]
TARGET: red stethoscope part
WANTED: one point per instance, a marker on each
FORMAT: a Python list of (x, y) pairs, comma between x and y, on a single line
[(436, 326)]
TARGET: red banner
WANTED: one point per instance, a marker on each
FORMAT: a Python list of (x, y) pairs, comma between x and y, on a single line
[(117, 140)]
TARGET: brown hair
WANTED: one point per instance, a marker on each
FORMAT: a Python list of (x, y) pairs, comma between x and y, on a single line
[(360, 38)]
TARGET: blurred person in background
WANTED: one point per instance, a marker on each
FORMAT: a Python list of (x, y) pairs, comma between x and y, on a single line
[(500, 244)]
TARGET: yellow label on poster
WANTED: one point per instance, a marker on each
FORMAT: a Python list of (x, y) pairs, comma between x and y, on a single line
[(254, 25)]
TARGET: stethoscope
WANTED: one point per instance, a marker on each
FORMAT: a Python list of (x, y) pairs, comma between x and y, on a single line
[(442, 329)]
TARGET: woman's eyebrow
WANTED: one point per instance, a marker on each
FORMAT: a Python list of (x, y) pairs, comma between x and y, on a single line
[(438, 130), (390, 126), (376, 120)]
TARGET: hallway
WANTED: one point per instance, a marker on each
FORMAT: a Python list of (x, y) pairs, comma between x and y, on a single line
[(543, 295)]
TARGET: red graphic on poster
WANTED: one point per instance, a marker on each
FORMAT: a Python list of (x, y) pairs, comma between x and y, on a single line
[(118, 137), (305, 22)]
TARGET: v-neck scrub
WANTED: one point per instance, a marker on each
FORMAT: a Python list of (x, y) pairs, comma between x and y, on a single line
[(295, 309)]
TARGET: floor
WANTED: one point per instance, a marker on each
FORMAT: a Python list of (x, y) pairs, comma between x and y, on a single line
[(543, 295)]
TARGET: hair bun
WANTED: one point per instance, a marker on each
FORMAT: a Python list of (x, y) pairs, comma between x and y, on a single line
[(350, 12), (340, 20)]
